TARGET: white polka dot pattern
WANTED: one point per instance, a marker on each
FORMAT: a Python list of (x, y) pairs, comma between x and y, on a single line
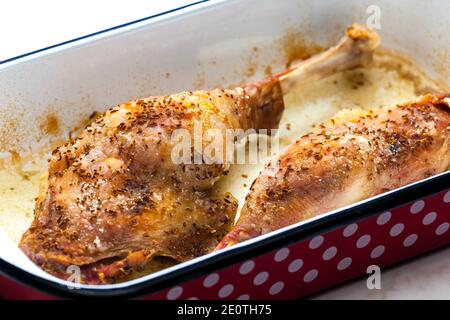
[(396, 229), (174, 293), (443, 228), (350, 230), (310, 275), (417, 206), (247, 267), (429, 218), (377, 252), (295, 265), (226, 290), (305, 266), (384, 218), (344, 263), (329, 253), (276, 288), (410, 240), (260, 278), (447, 197), (363, 241), (211, 280), (282, 254), (316, 242)]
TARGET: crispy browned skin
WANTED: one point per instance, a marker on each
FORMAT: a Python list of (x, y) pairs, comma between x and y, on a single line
[(347, 160), (113, 198)]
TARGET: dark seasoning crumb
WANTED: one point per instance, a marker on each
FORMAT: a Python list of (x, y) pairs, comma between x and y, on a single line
[(386, 146)]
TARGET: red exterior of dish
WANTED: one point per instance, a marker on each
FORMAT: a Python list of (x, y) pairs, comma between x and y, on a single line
[(315, 264)]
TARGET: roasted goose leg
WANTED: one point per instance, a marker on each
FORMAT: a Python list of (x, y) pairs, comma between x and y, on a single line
[(352, 158), (114, 198)]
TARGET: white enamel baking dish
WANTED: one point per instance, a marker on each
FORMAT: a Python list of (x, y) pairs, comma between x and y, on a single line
[(204, 45)]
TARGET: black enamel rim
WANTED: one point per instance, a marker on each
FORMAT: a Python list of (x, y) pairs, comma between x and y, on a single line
[(212, 263), (238, 254)]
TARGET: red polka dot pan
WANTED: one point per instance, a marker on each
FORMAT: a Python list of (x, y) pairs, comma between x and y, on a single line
[(142, 58), (300, 260), (322, 260)]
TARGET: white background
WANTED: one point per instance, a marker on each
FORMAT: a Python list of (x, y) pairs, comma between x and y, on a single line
[(26, 26)]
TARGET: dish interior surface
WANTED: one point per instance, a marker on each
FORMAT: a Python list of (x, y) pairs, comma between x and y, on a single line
[(391, 80)]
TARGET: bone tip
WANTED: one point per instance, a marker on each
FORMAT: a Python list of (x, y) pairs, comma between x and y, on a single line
[(445, 97), (437, 98), (360, 33), (447, 101)]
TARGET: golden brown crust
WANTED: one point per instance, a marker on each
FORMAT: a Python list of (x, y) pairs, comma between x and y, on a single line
[(114, 199), (347, 160)]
